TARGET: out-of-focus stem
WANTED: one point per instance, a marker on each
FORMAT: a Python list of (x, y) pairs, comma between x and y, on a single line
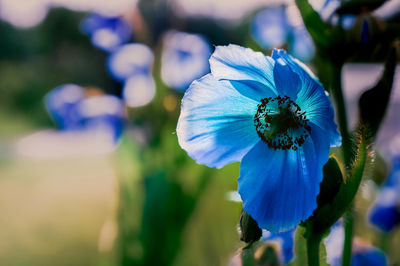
[(348, 238), (313, 243), (337, 92)]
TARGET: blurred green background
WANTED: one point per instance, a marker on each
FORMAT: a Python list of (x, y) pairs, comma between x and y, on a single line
[(145, 203)]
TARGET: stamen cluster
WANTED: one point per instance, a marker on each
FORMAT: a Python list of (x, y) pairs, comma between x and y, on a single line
[(281, 124)]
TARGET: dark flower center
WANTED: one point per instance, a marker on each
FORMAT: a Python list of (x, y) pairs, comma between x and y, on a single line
[(281, 124)]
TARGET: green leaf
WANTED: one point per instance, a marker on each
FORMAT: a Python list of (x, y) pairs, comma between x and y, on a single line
[(249, 230), (373, 103)]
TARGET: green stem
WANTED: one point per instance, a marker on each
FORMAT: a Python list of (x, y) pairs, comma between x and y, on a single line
[(348, 237), (337, 93), (384, 242), (313, 243)]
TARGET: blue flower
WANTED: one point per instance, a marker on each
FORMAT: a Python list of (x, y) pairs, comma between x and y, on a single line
[(61, 104), (271, 114), (184, 59), (285, 243), (301, 44), (103, 114), (272, 28), (72, 110), (362, 253), (106, 33), (129, 60), (385, 213), (139, 90)]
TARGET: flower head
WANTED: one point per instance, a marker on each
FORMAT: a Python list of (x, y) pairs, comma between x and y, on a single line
[(61, 104), (106, 33), (184, 59), (277, 26), (73, 110), (270, 27), (271, 114), (129, 60)]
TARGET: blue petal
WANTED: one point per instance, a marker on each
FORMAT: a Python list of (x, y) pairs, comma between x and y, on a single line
[(216, 125), (287, 82), (279, 188), (234, 62), (312, 98), (321, 142)]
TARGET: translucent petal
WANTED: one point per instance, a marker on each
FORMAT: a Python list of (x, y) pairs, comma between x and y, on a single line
[(287, 82), (216, 124), (312, 98), (279, 188), (233, 62)]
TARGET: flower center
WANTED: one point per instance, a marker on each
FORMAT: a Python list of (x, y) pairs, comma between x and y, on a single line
[(281, 124)]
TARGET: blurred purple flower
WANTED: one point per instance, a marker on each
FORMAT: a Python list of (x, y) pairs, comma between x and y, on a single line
[(184, 59), (106, 33)]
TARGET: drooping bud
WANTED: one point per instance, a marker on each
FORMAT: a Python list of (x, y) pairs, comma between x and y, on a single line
[(249, 230)]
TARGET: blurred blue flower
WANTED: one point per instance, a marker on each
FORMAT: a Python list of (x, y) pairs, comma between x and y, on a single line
[(272, 28), (271, 114), (385, 212), (301, 44), (284, 241), (129, 60), (139, 90), (106, 33), (184, 59), (61, 104), (71, 109), (362, 253), (104, 114)]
